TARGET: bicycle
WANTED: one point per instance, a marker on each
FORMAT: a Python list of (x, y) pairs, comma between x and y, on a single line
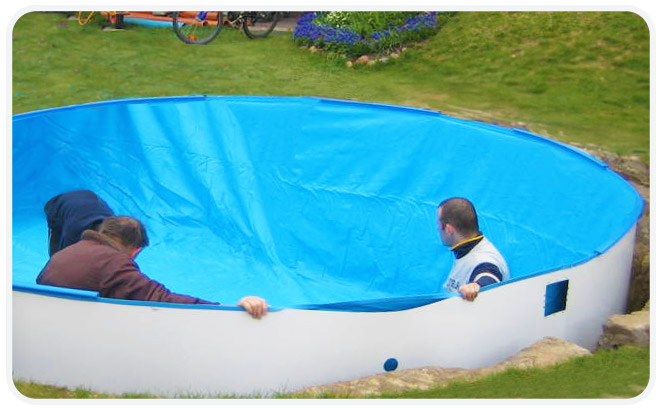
[(114, 17), (202, 27)]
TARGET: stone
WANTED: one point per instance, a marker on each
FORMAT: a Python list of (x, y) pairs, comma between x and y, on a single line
[(631, 329), (639, 290), (547, 352), (363, 59), (349, 64)]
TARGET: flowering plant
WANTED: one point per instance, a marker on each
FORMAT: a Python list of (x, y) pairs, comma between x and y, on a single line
[(356, 33)]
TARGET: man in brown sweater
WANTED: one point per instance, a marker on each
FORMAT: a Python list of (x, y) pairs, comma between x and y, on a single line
[(104, 261)]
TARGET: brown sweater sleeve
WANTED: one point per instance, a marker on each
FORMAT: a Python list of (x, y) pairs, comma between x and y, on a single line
[(127, 282)]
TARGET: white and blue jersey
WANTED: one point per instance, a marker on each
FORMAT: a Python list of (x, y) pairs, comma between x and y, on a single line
[(477, 260)]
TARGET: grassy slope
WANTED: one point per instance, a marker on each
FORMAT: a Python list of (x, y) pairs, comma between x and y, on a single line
[(576, 77)]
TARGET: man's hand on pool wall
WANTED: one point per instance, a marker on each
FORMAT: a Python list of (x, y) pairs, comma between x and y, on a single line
[(469, 291), (255, 306)]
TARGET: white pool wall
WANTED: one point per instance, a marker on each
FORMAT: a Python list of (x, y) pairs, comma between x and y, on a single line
[(113, 347)]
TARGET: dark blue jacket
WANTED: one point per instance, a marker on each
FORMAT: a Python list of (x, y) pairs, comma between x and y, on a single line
[(70, 213)]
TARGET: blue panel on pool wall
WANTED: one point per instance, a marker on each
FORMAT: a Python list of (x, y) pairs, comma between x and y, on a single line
[(555, 297)]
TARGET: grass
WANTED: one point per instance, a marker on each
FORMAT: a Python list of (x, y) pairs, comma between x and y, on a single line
[(45, 391), (607, 374), (578, 77)]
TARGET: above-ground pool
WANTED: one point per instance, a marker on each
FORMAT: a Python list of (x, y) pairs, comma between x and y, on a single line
[(317, 205)]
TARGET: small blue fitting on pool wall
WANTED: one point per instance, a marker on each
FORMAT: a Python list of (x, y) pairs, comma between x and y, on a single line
[(391, 364)]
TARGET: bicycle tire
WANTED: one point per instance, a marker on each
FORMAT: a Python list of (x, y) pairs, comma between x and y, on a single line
[(202, 31), (260, 24)]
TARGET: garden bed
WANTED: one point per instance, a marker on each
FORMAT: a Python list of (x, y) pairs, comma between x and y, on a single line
[(366, 37)]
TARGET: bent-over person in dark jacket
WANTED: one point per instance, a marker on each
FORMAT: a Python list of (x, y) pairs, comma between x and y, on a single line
[(71, 213), (104, 261)]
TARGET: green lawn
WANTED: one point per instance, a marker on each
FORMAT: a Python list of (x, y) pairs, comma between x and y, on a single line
[(574, 76)]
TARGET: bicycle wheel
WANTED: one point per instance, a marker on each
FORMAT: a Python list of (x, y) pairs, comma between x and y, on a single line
[(260, 24), (197, 27)]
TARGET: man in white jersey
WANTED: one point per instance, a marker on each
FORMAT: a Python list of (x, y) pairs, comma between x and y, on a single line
[(477, 262)]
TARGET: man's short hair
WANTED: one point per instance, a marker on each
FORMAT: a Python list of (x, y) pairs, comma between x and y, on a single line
[(460, 213), (129, 231)]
